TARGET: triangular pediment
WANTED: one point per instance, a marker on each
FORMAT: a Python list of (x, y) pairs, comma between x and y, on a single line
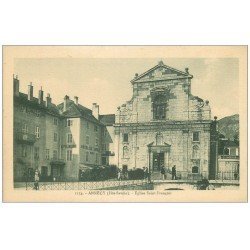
[(161, 72)]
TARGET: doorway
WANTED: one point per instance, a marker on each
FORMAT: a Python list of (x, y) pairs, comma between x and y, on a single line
[(44, 173), (158, 161)]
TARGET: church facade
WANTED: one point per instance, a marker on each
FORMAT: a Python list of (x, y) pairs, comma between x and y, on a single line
[(164, 125)]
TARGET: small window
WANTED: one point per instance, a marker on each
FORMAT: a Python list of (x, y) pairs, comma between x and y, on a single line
[(24, 151), (104, 160), (55, 154), (69, 123), (96, 142), (36, 153), (55, 121), (125, 137), (55, 137), (96, 158), (237, 152), (226, 151), (87, 125), (96, 128), (195, 170), (25, 128), (37, 132), (87, 156), (47, 154), (196, 136), (87, 140), (69, 155), (70, 138)]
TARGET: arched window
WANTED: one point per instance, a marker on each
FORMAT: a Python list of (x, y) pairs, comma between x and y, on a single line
[(159, 139), (226, 151), (159, 108), (195, 170), (196, 152), (125, 152)]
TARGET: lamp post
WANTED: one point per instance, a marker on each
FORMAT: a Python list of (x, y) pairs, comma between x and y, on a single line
[(149, 164)]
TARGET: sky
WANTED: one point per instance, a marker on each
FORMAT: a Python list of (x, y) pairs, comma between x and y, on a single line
[(106, 81)]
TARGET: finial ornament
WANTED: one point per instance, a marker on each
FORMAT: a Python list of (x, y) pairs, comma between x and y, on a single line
[(160, 62)]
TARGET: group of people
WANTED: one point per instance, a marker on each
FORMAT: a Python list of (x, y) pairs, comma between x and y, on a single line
[(146, 174), (121, 175), (173, 173)]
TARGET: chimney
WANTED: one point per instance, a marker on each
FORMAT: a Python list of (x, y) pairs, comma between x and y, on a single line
[(187, 70), (66, 99), (40, 96), (30, 92), (95, 110), (48, 100), (216, 123), (15, 85), (76, 100)]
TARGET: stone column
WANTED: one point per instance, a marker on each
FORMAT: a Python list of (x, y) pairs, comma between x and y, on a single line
[(166, 159)]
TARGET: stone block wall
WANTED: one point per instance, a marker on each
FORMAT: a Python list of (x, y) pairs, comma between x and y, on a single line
[(181, 105), (180, 140)]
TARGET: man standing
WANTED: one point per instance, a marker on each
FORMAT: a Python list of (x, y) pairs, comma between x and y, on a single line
[(174, 172), (119, 177), (36, 180)]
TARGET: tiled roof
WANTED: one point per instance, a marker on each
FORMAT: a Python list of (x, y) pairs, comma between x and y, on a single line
[(74, 110), (34, 102)]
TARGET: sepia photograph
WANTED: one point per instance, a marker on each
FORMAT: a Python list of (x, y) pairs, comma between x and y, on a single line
[(125, 123)]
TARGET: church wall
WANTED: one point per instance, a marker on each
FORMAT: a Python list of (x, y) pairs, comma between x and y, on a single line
[(181, 152)]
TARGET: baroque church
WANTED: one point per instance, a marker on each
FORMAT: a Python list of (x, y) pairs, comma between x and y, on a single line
[(164, 125)]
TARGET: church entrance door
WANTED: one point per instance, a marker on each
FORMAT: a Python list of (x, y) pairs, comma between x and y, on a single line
[(158, 161)]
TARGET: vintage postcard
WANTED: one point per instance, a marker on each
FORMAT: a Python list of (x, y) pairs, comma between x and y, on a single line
[(125, 124)]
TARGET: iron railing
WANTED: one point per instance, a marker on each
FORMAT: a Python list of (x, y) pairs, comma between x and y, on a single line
[(95, 185), (227, 176)]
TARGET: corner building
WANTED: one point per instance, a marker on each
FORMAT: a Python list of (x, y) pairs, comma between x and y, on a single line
[(164, 125), (58, 140)]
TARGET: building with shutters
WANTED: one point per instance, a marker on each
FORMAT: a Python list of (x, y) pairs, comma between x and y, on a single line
[(58, 140)]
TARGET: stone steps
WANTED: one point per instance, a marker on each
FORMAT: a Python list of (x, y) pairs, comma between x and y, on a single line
[(158, 176)]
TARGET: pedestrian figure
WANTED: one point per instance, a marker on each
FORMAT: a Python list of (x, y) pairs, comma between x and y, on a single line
[(174, 172), (145, 170), (163, 172), (119, 177), (235, 175), (36, 184)]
